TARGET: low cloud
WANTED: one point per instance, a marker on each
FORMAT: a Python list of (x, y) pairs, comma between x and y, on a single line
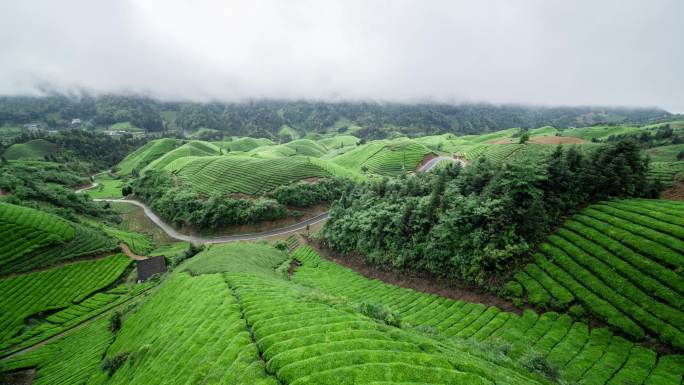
[(548, 52)]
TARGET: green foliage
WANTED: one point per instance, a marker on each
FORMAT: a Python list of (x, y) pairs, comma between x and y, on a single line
[(115, 322), (305, 194), (111, 364), (537, 363)]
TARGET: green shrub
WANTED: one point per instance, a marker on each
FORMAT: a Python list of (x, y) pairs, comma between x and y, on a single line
[(111, 365), (115, 321), (513, 289), (577, 311), (381, 313), (536, 362)]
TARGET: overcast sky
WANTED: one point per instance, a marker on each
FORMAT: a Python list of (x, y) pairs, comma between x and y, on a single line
[(548, 52)]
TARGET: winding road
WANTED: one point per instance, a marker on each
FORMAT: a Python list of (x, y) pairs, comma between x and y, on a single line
[(173, 233)]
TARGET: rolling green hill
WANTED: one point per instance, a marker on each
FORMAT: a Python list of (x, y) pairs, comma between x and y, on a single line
[(384, 157), (246, 175), (192, 148), (33, 149), (146, 155)]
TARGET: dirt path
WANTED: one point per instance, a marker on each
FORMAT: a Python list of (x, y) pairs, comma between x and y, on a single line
[(127, 250)]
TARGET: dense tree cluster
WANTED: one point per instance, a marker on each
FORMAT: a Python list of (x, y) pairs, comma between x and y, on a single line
[(265, 118), (182, 206), (58, 111), (99, 150), (479, 222), (50, 187), (304, 194)]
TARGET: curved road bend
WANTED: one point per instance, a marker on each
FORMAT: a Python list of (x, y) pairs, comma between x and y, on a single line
[(173, 233), (433, 162)]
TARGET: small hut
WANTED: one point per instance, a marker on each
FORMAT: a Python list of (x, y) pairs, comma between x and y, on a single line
[(150, 266)]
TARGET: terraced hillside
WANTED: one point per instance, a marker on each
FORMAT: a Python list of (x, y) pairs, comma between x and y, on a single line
[(620, 260), (146, 154), (34, 239), (665, 172), (246, 175), (236, 313), (232, 315), (384, 157), (243, 144), (30, 294), (301, 147), (33, 149), (582, 354)]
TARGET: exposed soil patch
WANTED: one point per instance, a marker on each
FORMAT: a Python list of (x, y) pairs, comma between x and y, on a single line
[(425, 160), (676, 192), (127, 250), (423, 282)]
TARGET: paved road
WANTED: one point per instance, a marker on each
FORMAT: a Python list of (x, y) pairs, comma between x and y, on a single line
[(433, 162), (173, 233), (92, 185)]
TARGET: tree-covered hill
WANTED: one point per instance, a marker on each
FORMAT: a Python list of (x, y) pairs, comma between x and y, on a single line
[(273, 119)]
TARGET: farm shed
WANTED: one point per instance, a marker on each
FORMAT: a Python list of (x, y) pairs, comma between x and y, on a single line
[(149, 267)]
